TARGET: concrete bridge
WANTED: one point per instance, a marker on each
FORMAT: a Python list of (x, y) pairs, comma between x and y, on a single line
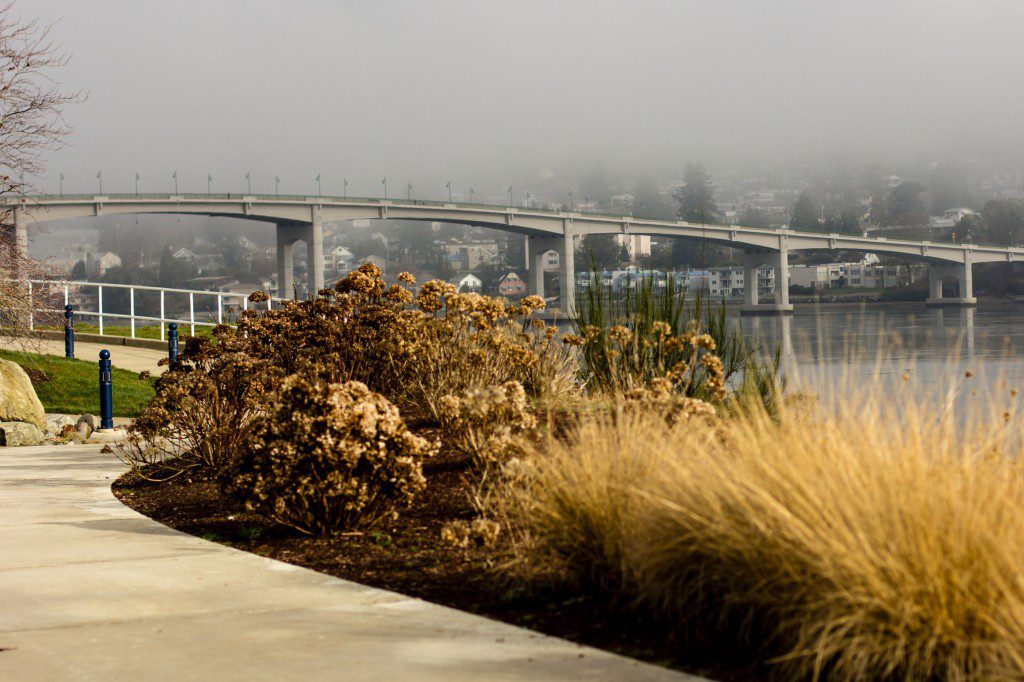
[(301, 218)]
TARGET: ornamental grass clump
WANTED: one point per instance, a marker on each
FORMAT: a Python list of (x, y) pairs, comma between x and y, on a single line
[(837, 543), (202, 410), (329, 457)]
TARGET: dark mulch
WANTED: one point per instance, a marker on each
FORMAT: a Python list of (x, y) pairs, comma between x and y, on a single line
[(409, 558)]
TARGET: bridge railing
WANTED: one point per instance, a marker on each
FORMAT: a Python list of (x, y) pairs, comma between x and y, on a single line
[(135, 309)]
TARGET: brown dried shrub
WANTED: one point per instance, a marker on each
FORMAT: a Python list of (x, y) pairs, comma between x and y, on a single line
[(203, 409), (329, 457)]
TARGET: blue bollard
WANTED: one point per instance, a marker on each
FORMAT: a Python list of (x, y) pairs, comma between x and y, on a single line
[(172, 343), (106, 392), (69, 331)]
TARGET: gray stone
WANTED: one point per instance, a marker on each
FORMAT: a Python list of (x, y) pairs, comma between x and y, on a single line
[(18, 400), (83, 429), (88, 419), (56, 423), (20, 433)]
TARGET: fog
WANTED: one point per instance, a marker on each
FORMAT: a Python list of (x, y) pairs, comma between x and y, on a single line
[(496, 93)]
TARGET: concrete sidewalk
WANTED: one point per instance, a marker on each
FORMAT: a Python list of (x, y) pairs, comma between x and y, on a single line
[(92, 590), (125, 357)]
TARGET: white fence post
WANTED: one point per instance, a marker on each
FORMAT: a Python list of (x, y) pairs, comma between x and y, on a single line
[(66, 301), (31, 310), (192, 312), (131, 308), (99, 297), (220, 310), (161, 314)]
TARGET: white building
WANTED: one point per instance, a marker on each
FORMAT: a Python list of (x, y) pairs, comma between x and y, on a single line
[(98, 263), (638, 245), (467, 282)]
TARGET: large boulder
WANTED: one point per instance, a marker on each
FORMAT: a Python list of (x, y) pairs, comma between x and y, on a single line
[(20, 433), (18, 400)]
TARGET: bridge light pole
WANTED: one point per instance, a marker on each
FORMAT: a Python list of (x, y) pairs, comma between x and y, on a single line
[(99, 176), (319, 187), (209, 182), (408, 191), (449, 186), (570, 200), (248, 180), (471, 195), (384, 181), (60, 185), (136, 183), (511, 202), (175, 176), (344, 188), (277, 186)]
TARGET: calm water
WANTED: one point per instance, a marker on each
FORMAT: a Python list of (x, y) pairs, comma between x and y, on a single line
[(935, 347)]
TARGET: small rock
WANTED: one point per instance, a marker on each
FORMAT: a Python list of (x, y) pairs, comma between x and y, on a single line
[(83, 429), (69, 431), (57, 423), (20, 433), (88, 419)]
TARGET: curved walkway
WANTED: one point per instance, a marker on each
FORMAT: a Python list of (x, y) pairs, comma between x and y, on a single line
[(126, 357), (91, 590)]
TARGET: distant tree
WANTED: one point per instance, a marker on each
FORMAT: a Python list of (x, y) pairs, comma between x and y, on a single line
[(648, 202), (846, 221), (1004, 221), (908, 204), (753, 217), (696, 198), (596, 188), (879, 207), (696, 204), (78, 271), (600, 251), (968, 229), (515, 252), (174, 272), (805, 215), (948, 188)]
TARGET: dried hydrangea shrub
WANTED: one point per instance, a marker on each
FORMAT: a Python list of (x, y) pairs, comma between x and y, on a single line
[(329, 457), (485, 423)]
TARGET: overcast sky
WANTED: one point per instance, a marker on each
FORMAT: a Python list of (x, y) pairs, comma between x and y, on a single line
[(488, 92)]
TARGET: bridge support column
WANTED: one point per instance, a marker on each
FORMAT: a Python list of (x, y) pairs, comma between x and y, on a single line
[(538, 248), (315, 257), (964, 276), (751, 298), (287, 235), (567, 267)]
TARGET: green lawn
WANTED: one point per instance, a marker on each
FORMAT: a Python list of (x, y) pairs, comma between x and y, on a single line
[(73, 385), (141, 332)]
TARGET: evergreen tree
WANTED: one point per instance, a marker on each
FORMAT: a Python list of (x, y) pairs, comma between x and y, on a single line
[(648, 202), (599, 251), (805, 215), (696, 198)]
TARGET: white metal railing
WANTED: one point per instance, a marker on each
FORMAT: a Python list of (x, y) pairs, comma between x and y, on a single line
[(75, 294)]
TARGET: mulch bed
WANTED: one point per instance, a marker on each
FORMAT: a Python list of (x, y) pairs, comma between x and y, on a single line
[(409, 558)]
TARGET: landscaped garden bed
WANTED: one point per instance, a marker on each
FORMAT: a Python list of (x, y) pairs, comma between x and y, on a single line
[(643, 484), (409, 557)]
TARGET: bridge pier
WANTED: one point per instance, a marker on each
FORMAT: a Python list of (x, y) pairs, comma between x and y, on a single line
[(752, 263), (962, 273), (538, 248), (313, 235)]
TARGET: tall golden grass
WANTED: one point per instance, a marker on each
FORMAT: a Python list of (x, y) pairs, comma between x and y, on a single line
[(881, 536)]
